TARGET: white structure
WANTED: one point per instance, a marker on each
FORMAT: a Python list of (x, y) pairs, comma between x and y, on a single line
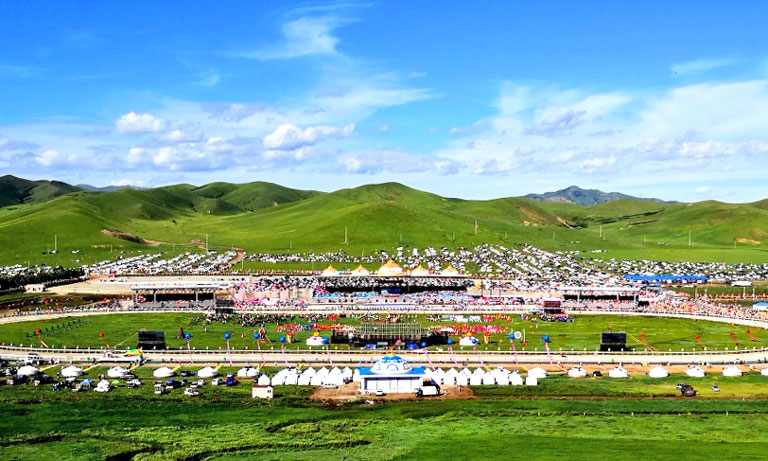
[(764, 372), (391, 374), (695, 372), (27, 370), (117, 372), (577, 372), (531, 381), (207, 372), (163, 372), (658, 372), (262, 392), (537, 373), (71, 372), (618, 372), (731, 372)]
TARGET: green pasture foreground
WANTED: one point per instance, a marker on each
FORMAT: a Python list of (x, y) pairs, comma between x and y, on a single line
[(225, 424), (120, 330)]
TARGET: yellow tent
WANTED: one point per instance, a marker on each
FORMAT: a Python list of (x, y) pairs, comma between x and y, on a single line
[(360, 270), (419, 271), (330, 270), (390, 268), (449, 270)]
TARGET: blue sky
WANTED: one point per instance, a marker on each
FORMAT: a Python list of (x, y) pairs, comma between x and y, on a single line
[(664, 99)]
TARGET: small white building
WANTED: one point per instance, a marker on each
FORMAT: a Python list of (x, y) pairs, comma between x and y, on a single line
[(34, 288), (391, 374), (262, 392)]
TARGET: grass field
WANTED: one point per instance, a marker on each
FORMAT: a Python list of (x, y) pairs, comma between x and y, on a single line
[(266, 218), (120, 330), (594, 419)]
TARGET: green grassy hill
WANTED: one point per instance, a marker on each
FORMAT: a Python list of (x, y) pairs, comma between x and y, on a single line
[(270, 218), (15, 190)]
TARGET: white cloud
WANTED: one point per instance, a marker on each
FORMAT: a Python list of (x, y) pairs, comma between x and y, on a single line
[(700, 65), (54, 158), (384, 127), (290, 137), (135, 122), (128, 183), (179, 135), (376, 162), (303, 37)]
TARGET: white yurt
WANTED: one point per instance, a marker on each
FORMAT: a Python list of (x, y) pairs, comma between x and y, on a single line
[(264, 380), (531, 381), (207, 372), (467, 341), (278, 379), (466, 372), (163, 372), (346, 373), (27, 370), (577, 372), (316, 380), (71, 372), (292, 379), (537, 373), (476, 379), (764, 372), (309, 372), (618, 372), (658, 372), (322, 372), (247, 372), (731, 371), (462, 380), (489, 379), (356, 375), (304, 380), (695, 372), (515, 379), (116, 372)]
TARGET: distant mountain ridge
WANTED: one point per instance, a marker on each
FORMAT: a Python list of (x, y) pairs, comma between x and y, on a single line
[(585, 197)]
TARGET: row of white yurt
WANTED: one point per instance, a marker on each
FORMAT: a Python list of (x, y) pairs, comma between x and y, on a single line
[(658, 372), (163, 372), (577, 372), (618, 372), (695, 372)]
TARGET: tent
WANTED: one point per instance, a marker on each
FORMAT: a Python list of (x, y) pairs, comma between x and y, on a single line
[(360, 271), (247, 372), (390, 268), (207, 372), (658, 372), (764, 372), (731, 371), (315, 340), (537, 373), (449, 271), (618, 372), (761, 306), (26, 370), (264, 380), (71, 372), (695, 372), (577, 372), (515, 379), (419, 271), (116, 372), (330, 271), (163, 372)]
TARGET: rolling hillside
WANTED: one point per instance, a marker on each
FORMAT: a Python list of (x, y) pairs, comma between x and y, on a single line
[(15, 190), (270, 218)]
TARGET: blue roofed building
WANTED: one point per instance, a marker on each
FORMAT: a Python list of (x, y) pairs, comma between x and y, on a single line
[(391, 374)]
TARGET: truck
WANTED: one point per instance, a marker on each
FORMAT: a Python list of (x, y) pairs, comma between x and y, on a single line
[(686, 390)]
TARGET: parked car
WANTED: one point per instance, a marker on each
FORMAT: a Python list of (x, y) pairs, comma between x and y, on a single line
[(217, 382), (191, 391), (133, 383), (230, 380), (380, 393), (715, 388)]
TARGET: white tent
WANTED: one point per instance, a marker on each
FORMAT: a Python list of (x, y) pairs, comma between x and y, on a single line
[(346, 373), (315, 341), (732, 371), (309, 372), (531, 381), (356, 376), (618, 372), (292, 379), (467, 341), (577, 372), (71, 372), (466, 372), (322, 372), (515, 379), (537, 373), (264, 380), (316, 380), (502, 379), (247, 372), (462, 379), (207, 372), (304, 380), (658, 372), (163, 372), (764, 371), (695, 372), (116, 372), (27, 370), (489, 379)]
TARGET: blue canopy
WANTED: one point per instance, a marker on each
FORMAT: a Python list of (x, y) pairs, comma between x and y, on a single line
[(664, 277)]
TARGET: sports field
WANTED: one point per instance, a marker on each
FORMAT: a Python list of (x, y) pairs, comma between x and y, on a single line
[(120, 330)]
